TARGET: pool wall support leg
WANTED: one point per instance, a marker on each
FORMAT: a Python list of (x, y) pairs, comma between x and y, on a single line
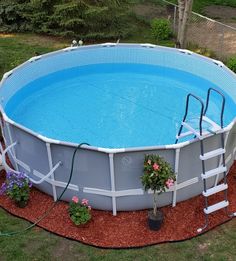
[(48, 145), (177, 153), (13, 152), (113, 187)]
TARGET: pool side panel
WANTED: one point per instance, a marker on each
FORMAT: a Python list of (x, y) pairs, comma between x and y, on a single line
[(92, 173)]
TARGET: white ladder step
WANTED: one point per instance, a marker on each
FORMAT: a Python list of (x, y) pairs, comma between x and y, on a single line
[(214, 172), (190, 128), (212, 154), (184, 134), (215, 126), (215, 190), (195, 132), (216, 207)]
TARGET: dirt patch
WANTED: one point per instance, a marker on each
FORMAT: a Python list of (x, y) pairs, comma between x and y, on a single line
[(2, 35), (204, 247), (65, 250), (150, 11), (49, 41), (218, 12), (219, 39)]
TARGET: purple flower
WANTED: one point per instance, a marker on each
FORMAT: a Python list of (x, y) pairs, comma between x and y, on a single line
[(17, 185), (3, 188)]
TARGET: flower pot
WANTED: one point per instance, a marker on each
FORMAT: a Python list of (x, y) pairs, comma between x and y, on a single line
[(21, 204), (155, 221)]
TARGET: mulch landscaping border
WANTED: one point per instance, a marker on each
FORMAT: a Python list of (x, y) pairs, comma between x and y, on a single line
[(127, 229)]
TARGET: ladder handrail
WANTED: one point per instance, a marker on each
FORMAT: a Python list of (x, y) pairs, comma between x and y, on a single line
[(222, 107), (202, 110)]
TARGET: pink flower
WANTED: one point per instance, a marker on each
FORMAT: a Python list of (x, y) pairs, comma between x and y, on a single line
[(89, 208), (155, 166), (169, 183), (84, 202), (149, 162), (75, 199)]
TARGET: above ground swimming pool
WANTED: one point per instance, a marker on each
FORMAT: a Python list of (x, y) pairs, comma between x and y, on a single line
[(125, 100)]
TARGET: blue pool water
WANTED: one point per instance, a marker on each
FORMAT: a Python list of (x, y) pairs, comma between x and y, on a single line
[(112, 105)]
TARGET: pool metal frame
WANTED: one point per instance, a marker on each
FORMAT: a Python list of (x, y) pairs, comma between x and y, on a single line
[(57, 159)]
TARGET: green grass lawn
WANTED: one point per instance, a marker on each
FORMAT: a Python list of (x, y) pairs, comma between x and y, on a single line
[(37, 244), (17, 48)]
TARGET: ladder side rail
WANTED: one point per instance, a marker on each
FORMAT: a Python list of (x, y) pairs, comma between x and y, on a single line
[(186, 113), (202, 109), (222, 107)]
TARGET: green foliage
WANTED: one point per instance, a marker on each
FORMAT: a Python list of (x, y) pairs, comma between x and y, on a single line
[(79, 211), (16, 186), (232, 64), (75, 18), (158, 174), (161, 29)]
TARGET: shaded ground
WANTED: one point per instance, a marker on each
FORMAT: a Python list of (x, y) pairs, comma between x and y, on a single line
[(151, 10), (218, 12), (221, 40), (214, 36)]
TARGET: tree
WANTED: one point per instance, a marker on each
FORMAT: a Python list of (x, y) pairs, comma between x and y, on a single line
[(185, 9)]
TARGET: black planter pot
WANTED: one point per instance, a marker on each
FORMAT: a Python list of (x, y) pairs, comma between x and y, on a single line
[(21, 204), (155, 222)]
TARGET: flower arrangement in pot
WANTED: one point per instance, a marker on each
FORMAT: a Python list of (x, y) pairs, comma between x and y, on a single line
[(79, 211), (17, 187), (157, 176)]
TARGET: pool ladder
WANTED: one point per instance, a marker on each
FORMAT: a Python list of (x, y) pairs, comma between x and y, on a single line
[(204, 156)]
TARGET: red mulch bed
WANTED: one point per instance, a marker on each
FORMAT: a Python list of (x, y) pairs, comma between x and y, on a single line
[(127, 229)]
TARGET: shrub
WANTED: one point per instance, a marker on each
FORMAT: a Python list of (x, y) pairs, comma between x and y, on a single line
[(161, 29), (232, 64), (79, 211), (16, 186), (157, 176)]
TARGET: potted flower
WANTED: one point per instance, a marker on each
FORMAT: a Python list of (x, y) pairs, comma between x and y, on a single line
[(79, 211), (17, 187), (157, 176)]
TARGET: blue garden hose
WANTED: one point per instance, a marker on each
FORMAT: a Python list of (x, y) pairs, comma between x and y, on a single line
[(47, 212)]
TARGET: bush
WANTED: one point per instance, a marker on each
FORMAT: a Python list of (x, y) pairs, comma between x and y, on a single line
[(16, 186), (158, 176), (79, 211), (232, 64), (161, 29)]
